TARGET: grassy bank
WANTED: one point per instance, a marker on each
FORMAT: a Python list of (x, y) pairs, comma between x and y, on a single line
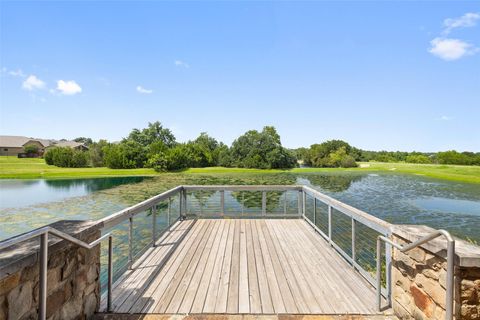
[(469, 174), (14, 168)]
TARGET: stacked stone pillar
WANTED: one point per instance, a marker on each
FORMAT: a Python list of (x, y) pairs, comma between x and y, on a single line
[(419, 277), (73, 278)]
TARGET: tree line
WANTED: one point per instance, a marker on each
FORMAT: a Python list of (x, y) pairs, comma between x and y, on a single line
[(156, 147)]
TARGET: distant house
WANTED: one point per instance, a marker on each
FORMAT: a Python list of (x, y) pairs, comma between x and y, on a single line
[(14, 145), (70, 144)]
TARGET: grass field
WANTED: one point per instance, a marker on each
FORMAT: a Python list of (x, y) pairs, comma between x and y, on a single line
[(14, 168)]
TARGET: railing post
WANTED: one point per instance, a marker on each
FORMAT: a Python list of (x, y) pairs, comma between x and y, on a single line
[(42, 287), (304, 203), (264, 203), (222, 202), (330, 223), (353, 242), (450, 277), (379, 274), (185, 209), (314, 211), (180, 206), (300, 202), (243, 202), (130, 242), (110, 274), (154, 224), (285, 203), (388, 271), (169, 208)]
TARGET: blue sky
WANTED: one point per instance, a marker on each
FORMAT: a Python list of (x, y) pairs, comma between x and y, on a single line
[(380, 75)]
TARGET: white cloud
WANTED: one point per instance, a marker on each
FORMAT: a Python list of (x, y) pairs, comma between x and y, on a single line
[(180, 63), (467, 20), (69, 87), (17, 73), (445, 118), (141, 89), (33, 83), (451, 49)]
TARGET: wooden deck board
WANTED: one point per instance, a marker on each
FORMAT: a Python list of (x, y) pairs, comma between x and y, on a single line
[(243, 266)]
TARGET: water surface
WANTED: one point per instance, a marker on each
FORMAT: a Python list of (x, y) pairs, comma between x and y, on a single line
[(397, 198)]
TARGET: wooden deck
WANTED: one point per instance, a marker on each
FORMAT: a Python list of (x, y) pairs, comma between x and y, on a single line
[(242, 266)]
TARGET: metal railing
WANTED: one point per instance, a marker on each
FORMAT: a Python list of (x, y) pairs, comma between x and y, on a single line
[(406, 248), (243, 201), (43, 234), (350, 231), (150, 206)]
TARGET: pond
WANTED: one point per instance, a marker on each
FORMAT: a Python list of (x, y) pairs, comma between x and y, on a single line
[(21, 193), (397, 198)]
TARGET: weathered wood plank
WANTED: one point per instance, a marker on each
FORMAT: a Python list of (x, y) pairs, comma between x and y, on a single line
[(142, 275), (353, 282), (247, 266), (153, 293), (283, 283), (243, 290), (201, 253), (208, 305), (293, 282), (198, 287), (275, 293), (266, 298), (255, 300), (222, 294), (298, 259), (174, 282), (233, 288)]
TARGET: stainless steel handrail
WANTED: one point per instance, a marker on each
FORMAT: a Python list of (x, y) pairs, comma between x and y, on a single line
[(43, 233), (405, 248), (357, 217)]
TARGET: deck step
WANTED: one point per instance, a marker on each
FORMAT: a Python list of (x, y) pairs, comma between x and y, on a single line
[(113, 316)]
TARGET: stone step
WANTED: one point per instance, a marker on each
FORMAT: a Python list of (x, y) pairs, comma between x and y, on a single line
[(111, 316)]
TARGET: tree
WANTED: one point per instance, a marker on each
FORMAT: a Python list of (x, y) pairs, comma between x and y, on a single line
[(85, 141), (418, 158), (66, 157), (125, 155), (96, 153), (332, 153), (153, 133), (31, 149), (262, 150)]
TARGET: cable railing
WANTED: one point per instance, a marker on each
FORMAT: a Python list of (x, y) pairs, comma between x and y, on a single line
[(351, 232), (43, 234), (405, 248), (354, 234)]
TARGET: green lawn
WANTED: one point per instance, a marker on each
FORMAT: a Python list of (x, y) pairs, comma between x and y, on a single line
[(470, 174), (14, 168)]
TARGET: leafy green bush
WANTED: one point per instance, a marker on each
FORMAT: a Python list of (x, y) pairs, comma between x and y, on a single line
[(31, 149), (158, 162), (48, 156), (66, 157), (418, 158), (261, 150), (333, 154)]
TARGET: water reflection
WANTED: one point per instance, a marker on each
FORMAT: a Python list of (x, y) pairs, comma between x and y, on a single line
[(21, 193), (331, 182), (402, 199)]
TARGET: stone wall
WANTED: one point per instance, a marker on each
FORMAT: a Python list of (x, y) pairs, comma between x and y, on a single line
[(419, 277), (73, 285)]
